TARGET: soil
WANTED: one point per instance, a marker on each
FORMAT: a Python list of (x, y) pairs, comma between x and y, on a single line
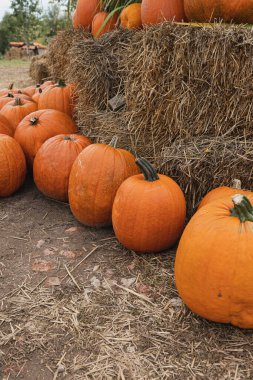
[(76, 305)]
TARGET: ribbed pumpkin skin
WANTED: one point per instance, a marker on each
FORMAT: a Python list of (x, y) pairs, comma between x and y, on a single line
[(30, 91), (221, 192), (9, 98), (240, 11), (5, 127), (156, 11), (53, 163), (94, 180), (13, 166), (148, 216), (213, 268), (56, 97), (130, 17), (98, 21), (50, 123), (14, 114), (86, 10)]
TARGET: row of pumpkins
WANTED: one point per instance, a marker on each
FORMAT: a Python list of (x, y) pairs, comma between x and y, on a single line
[(106, 185), (92, 14)]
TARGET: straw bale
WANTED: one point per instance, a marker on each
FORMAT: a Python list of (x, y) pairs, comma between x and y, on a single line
[(39, 69)]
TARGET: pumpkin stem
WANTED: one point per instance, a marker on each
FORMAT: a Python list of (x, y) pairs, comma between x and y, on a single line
[(61, 83), (147, 169), (38, 85), (34, 120), (236, 184), (11, 85), (68, 138), (18, 102), (10, 95), (114, 142), (242, 208)]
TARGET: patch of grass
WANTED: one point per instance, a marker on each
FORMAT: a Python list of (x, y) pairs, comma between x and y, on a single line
[(13, 62)]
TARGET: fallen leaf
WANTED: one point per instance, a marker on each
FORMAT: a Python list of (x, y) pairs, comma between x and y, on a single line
[(73, 230), (42, 265), (143, 288), (52, 281)]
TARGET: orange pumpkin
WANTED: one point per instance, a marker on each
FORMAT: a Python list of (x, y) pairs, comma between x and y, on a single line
[(11, 89), (5, 127), (94, 180), (46, 84), (213, 268), (37, 94), (222, 192), (156, 11), (10, 97), (99, 19), (130, 17), (240, 11), (86, 10), (57, 97), (53, 163), (16, 110), (13, 167), (39, 126), (148, 211), (30, 91)]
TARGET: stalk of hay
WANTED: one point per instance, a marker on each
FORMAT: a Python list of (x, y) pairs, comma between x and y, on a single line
[(39, 70), (204, 163)]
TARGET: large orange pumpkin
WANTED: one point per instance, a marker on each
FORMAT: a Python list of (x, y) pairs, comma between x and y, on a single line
[(240, 11), (130, 17), (53, 163), (39, 126), (156, 11), (5, 127), (57, 97), (99, 19), (222, 192), (86, 10), (148, 211), (16, 110), (30, 91), (13, 167), (214, 262), (94, 180)]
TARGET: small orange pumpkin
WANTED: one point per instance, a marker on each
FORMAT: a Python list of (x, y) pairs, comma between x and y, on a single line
[(156, 11), (37, 94), (99, 19), (53, 163), (148, 211), (213, 267), (94, 180), (30, 91), (130, 17), (10, 97), (39, 126), (46, 84), (5, 127), (57, 97), (16, 110), (13, 167), (86, 10)]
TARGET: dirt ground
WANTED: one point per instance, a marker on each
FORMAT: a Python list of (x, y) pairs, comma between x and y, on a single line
[(75, 305)]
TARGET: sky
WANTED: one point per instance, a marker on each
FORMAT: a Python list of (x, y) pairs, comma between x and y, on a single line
[(5, 4)]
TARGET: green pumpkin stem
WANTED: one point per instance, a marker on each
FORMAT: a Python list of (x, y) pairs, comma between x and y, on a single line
[(61, 83), (34, 120), (18, 102), (114, 142), (147, 169), (242, 208)]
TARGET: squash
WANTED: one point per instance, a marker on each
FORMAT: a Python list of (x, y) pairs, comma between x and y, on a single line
[(86, 11), (5, 127), (148, 211), (156, 11), (213, 268), (53, 163), (10, 97), (240, 11), (97, 30), (130, 17), (30, 91), (57, 97), (94, 180), (17, 109), (222, 192), (13, 167), (37, 94), (38, 127)]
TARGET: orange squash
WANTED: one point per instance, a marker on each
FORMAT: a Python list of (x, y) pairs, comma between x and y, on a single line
[(94, 180), (57, 97), (30, 91), (13, 167), (10, 97), (86, 10), (222, 192), (37, 94), (156, 11), (5, 127), (130, 17), (16, 110), (213, 268), (240, 11), (46, 84), (39, 126), (53, 163), (99, 20), (148, 211)]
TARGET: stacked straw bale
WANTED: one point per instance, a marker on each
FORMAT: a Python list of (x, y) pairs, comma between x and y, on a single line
[(39, 69), (188, 93)]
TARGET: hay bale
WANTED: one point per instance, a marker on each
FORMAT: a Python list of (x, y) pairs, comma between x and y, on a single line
[(58, 58), (39, 70), (204, 163)]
